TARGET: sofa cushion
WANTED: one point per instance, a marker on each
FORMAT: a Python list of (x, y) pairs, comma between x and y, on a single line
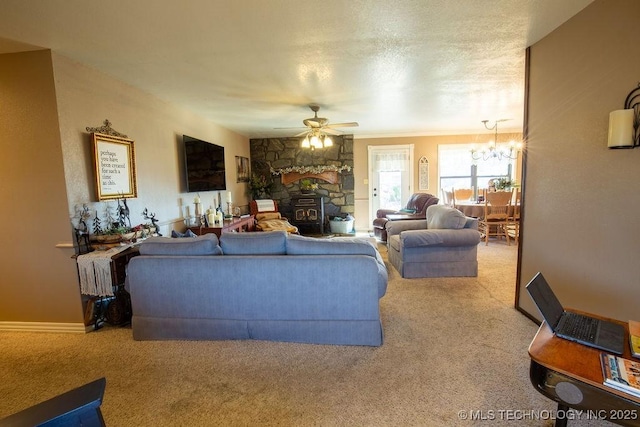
[(300, 245), (177, 234), (201, 245), (258, 243), (418, 238), (422, 238), (445, 217)]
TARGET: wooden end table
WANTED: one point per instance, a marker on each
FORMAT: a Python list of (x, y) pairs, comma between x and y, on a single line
[(235, 224), (570, 374)]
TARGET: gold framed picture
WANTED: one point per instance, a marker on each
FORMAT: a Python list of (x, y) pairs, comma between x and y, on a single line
[(115, 167)]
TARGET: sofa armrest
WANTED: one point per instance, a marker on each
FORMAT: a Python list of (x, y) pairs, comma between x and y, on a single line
[(382, 213), (397, 227), (472, 223), (419, 238)]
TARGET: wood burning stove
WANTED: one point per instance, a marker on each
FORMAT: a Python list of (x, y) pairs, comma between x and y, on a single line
[(308, 213)]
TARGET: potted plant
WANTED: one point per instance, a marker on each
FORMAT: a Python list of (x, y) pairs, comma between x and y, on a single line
[(504, 184), (260, 187), (307, 186)]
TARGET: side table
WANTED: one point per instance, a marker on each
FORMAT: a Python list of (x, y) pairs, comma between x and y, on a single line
[(114, 310), (570, 374)]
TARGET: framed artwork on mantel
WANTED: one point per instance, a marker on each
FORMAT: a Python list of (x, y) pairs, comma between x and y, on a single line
[(115, 167)]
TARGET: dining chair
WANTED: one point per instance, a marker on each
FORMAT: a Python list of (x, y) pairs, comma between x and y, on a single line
[(463, 193), (447, 197), (496, 218), (514, 228)]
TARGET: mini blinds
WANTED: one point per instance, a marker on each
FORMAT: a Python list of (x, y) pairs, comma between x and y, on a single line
[(392, 161)]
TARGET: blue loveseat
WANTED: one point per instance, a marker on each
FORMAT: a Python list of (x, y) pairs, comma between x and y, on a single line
[(264, 286)]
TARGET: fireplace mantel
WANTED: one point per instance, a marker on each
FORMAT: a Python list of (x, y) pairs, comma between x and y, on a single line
[(329, 176)]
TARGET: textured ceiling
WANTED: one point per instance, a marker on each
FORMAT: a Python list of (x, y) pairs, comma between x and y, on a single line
[(409, 67)]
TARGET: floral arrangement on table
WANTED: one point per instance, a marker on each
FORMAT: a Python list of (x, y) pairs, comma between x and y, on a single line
[(504, 183), (260, 187), (310, 169)]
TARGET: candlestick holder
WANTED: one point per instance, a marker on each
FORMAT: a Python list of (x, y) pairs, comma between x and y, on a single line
[(198, 213), (229, 209)]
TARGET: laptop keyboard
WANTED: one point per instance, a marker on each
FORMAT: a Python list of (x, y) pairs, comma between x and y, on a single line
[(581, 327)]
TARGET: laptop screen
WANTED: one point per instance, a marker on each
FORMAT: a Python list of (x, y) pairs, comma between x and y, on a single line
[(545, 300)]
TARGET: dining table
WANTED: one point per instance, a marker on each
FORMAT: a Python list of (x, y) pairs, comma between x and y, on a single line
[(471, 208), (475, 209)]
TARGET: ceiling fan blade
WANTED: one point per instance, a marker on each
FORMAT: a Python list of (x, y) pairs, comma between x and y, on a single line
[(330, 131), (302, 133), (297, 127), (343, 125)]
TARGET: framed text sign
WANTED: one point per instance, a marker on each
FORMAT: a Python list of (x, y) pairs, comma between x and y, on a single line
[(115, 166)]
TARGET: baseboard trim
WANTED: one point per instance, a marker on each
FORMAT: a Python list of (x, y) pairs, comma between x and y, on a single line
[(79, 328)]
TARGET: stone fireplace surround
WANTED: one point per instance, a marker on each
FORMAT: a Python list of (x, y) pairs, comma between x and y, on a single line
[(280, 153)]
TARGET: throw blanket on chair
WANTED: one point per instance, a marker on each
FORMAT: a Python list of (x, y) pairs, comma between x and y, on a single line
[(266, 205), (273, 221)]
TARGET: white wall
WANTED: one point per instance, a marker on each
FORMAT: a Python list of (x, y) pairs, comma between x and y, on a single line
[(87, 97), (581, 201)]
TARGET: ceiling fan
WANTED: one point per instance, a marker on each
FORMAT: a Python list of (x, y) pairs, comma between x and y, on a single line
[(318, 129), (321, 123)]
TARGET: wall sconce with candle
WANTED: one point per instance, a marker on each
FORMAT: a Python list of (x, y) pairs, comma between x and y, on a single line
[(624, 124)]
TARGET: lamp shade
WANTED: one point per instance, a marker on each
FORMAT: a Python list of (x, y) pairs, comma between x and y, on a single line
[(621, 128)]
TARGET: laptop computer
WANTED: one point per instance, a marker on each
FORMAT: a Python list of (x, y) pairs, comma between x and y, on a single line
[(587, 330)]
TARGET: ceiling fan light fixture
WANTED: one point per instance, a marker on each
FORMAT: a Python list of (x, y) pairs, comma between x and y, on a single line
[(315, 142), (319, 130)]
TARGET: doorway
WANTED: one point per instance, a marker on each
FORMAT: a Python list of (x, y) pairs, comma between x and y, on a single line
[(390, 177)]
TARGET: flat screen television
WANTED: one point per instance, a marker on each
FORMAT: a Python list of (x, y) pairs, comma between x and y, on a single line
[(204, 165)]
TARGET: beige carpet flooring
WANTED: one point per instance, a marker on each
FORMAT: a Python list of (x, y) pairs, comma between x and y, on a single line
[(452, 346)]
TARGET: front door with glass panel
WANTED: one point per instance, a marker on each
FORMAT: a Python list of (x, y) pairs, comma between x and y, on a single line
[(390, 172)]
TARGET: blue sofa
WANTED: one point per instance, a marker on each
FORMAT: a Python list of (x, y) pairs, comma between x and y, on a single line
[(264, 286)]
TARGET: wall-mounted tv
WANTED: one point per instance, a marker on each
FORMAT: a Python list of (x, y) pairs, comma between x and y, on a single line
[(204, 165)]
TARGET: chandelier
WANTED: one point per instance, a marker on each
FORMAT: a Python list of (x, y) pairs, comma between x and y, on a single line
[(316, 139), (494, 151)]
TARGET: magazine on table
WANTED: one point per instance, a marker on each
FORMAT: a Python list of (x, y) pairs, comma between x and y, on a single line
[(634, 337), (621, 374)]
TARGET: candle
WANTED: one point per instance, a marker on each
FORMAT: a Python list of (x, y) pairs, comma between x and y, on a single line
[(197, 199), (229, 197)]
